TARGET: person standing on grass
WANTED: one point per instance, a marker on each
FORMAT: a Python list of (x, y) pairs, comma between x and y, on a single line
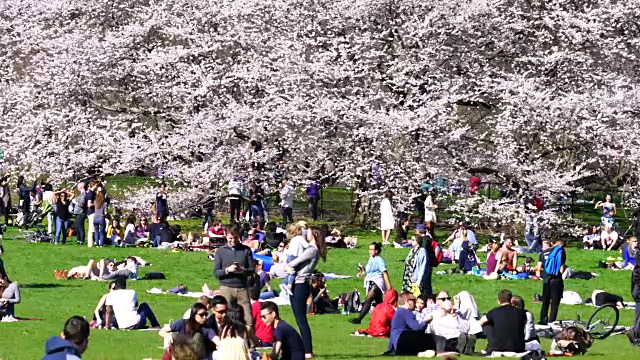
[(80, 212), (287, 342), (286, 202), (5, 197), (25, 200), (635, 285), (72, 342), (387, 221), (376, 281), (90, 205), (62, 214), (161, 202), (313, 196), (232, 265), (552, 283), (303, 266), (235, 190)]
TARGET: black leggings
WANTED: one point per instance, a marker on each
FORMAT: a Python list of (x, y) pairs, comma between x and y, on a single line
[(374, 294)]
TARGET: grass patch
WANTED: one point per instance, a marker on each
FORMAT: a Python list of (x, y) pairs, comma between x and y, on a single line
[(32, 265)]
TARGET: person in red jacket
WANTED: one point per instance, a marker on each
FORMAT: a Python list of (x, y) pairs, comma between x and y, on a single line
[(380, 324)]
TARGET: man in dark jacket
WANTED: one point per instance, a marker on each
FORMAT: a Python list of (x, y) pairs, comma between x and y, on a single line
[(232, 265), (71, 343), (635, 285)]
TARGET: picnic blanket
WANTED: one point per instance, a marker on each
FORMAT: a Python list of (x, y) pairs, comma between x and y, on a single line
[(332, 276), (279, 300)]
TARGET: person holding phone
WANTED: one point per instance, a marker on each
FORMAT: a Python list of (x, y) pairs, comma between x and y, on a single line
[(233, 265)]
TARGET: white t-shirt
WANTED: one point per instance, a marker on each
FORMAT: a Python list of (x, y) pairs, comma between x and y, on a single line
[(124, 303), (129, 229)]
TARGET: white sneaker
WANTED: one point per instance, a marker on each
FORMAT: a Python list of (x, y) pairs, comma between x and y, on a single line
[(427, 354)]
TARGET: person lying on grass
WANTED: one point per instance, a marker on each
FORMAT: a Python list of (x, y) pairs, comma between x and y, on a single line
[(95, 270)]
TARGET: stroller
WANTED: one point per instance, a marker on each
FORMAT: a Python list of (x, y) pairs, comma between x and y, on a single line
[(33, 219)]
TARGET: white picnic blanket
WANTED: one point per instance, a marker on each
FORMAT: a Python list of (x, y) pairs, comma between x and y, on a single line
[(278, 300)]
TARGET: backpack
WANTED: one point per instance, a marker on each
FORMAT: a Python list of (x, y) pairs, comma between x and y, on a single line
[(351, 301), (573, 340), (554, 262), (634, 333), (438, 253)]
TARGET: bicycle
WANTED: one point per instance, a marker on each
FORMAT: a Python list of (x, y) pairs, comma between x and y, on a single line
[(602, 322)]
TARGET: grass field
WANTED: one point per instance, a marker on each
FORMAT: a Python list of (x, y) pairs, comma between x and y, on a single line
[(32, 265)]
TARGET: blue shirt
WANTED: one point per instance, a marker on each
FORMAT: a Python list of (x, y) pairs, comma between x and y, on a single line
[(375, 267), (403, 320)]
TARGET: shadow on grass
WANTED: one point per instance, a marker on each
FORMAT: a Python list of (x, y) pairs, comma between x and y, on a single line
[(44, 286)]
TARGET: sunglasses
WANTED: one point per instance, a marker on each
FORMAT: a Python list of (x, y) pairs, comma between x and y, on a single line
[(265, 315), (110, 265), (201, 314), (445, 298)]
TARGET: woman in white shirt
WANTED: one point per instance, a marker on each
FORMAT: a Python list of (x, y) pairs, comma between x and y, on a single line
[(387, 221), (430, 210)]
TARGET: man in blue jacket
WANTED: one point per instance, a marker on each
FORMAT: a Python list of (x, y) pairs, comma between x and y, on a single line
[(71, 343), (407, 335)]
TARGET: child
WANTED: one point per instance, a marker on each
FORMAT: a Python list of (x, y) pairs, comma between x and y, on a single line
[(297, 245)]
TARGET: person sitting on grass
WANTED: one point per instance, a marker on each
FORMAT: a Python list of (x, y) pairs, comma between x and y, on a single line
[(407, 335), (100, 313), (72, 342), (115, 233), (425, 306), (123, 304), (380, 323), (450, 328), (262, 280), (287, 342), (468, 259), (263, 332), (182, 348), (532, 342), (234, 336), (204, 300), (9, 296), (591, 238), (609, 239), (507, 257), (320, 301), (629, 253), (204, 338), (219, 307), (505, 326)]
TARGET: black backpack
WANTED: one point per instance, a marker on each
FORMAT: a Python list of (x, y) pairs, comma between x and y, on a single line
[(351, 301)]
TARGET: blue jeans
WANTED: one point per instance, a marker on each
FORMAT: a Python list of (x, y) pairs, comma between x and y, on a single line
[(289, 278), (100, 231), (61, 228), (268, 295), (145, 313), (51, 220), (156, 241), (255, 211), (299, 307), (80, 232)]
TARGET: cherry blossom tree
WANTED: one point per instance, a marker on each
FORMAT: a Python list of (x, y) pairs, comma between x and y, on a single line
[(542, 93)]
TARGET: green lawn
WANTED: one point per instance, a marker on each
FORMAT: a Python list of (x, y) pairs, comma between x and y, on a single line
[(32, 265)]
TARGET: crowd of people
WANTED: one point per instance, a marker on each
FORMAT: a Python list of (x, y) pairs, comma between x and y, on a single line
[(238, 317)]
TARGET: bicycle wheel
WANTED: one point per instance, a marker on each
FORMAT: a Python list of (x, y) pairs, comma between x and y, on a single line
[(603, 321)]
